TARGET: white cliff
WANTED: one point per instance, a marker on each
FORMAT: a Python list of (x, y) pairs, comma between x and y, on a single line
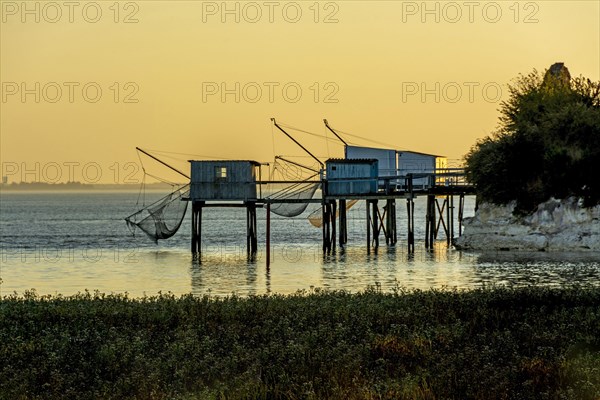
[(556, 225)]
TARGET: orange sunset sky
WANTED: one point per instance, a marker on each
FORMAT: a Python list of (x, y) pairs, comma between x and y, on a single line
[(86, 82)]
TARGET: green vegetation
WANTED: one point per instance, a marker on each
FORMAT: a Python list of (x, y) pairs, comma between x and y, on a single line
[(547, 144), (500, 343)]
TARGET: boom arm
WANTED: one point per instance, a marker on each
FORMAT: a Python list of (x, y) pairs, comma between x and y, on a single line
[(298, 143)]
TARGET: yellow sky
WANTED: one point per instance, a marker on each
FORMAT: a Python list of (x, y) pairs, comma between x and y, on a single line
[(421, 76)]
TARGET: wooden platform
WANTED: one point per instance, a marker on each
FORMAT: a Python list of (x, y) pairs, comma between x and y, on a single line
[(440, 192)]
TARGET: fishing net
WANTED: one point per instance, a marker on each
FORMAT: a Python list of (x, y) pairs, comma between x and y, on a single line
[(292, 196), (316, 217), (161, 219)]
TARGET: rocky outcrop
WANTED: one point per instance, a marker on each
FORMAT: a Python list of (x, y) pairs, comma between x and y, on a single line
[(556, 225)]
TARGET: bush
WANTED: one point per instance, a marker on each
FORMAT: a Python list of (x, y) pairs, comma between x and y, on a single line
[(502, 343), (547, 143)]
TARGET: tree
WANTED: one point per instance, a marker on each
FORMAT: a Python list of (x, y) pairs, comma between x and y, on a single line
[(547, 143)]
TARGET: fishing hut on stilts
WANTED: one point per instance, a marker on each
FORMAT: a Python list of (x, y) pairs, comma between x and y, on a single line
[(224, 184), (373, 175)]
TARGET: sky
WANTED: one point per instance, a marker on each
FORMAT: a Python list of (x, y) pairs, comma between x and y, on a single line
[(84, 83)]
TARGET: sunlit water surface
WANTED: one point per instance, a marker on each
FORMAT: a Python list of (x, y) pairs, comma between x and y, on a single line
[(69, 242)]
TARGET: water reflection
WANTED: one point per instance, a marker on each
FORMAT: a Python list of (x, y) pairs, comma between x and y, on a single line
[(353, 269), (225, 275), (74, 242), (538, 268), (539, 256), (228, 270)]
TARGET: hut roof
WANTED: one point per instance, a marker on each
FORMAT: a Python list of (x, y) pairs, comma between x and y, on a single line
[(351, 160), (225, 161)]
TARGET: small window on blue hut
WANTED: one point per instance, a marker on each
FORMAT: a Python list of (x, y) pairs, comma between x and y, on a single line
[(221, 173)]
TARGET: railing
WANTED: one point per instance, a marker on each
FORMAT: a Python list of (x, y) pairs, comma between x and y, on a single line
[(452, 178), (425, 180)]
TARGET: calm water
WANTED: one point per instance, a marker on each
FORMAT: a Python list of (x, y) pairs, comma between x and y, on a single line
[(68, 242)]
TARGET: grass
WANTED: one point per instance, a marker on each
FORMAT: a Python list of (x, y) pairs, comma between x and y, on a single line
[(498, 343)]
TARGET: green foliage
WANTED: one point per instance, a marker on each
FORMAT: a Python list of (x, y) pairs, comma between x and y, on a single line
[(501, 343), (547, 144)]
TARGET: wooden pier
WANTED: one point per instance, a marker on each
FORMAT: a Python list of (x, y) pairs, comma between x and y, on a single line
[(381, 210), (383, 220), (380, 177)]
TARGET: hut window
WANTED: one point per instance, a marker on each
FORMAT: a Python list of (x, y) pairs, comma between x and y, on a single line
[(333, 168), (221, 172)]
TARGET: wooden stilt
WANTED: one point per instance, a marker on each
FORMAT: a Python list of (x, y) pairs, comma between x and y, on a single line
[(328, 226), (427, 222), (251, 236), (451, 220), (375, 221), (254, 231), (368, 225), (388, 226), (268, 235), (324, 218), (392, 217), (390, 222), (448, 222), (194, 229), (201, 205), (333, 227), (395, 222), (412, 224), (461, 210), (432, 233), (410, 207), (343, 226), (247, 231), (328, 230), (197, 227)]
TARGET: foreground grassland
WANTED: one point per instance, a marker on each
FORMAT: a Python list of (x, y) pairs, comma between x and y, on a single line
[(502, 343)]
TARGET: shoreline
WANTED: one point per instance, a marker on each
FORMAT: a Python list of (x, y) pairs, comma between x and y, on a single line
[(556, 226)]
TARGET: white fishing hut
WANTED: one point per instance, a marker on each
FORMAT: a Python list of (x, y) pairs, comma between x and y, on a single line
[(412, 162), (399, 163), (351, 176)]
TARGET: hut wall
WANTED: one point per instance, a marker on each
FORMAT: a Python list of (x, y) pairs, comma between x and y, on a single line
[(414, 163), (385, 157), (351, 177), (223, 180)]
